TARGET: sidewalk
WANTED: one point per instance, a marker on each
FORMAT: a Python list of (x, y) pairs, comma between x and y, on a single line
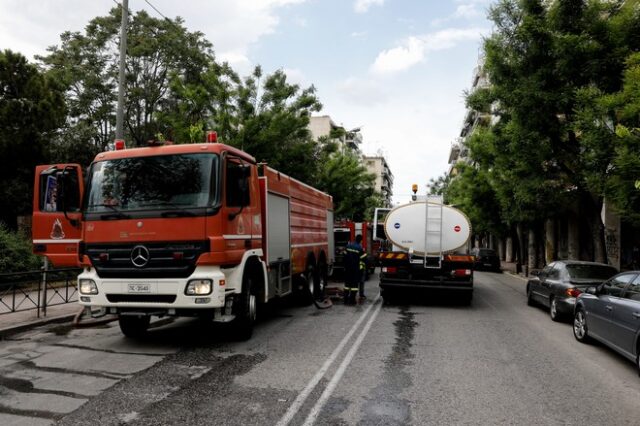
[(510, 268), (23, 320)]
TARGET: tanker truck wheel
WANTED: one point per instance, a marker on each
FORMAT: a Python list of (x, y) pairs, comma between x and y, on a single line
[(134, 327), (245, 310)]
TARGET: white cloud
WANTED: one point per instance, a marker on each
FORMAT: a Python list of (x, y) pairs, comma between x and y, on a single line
[(362, 6), (362, 92), (414, 49), (467, 11), (233, 26), (359, 34), (296, 76)]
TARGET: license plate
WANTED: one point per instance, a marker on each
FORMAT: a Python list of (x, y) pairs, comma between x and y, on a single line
[(139, 288), (487, 264)]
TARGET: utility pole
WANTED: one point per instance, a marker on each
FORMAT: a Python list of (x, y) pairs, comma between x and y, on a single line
[(121, 82)]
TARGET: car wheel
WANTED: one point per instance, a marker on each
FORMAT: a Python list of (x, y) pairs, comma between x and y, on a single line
[(530, 301), (580, 331), (553, 310), (638, 362)]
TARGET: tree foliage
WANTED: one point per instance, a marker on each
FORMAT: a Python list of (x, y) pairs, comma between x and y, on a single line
[(556, 73), (31, 110)]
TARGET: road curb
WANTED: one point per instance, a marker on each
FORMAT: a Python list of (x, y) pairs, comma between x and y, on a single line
[(8, 331), (513, 274)]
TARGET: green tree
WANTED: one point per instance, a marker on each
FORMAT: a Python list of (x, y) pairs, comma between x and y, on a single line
[(623, 185), (31, 110), (347, 180), (548, 63), (160, 54), (273, 124)]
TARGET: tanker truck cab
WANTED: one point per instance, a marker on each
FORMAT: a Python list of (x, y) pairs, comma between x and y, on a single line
[(183, 230), (421, 241)]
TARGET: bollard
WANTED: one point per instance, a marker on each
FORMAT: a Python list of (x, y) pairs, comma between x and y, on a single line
[(43, 291), (526, 270)]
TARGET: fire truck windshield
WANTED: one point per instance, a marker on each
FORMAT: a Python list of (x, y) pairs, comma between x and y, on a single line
[(162, 184)]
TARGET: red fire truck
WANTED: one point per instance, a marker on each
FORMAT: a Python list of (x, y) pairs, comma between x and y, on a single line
[(183, 230)]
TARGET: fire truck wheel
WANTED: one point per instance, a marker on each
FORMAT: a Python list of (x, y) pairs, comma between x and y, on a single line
[(245, 309), (323, 278), (134, 327), (305, 289)]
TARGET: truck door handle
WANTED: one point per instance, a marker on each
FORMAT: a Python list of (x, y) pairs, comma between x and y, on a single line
[(636, 314), (609, 308)]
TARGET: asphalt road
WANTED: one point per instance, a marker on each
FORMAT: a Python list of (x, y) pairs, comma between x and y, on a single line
[(419, 361)]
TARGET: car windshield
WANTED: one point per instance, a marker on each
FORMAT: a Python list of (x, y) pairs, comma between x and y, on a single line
[(597, 272), (486, 252), (147, 183)]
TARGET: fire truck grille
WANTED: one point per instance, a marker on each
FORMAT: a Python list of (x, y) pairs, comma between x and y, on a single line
[(146, 260), (141, 298)]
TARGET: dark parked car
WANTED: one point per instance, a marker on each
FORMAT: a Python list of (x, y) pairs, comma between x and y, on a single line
[(560, 282), (485, 259), (610, 313)]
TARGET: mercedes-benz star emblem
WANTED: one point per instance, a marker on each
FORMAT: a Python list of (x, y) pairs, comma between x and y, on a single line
[(140, 256)]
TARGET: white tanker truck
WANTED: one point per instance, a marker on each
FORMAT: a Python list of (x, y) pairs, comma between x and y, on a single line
[(423, 241)]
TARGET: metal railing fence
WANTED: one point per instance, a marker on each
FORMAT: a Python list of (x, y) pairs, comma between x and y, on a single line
[(21, 291)]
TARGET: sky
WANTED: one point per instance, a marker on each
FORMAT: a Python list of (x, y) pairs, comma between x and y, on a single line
[(396, 69)]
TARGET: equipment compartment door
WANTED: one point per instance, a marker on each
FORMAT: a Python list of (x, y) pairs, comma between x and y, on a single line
[(278, 228), (56, 228)]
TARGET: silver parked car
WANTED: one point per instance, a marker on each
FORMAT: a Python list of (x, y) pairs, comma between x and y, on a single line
[(610, 313), (559, 283)]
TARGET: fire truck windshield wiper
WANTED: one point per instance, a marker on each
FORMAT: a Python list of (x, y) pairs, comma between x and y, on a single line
[(176, 211), (116, 215)]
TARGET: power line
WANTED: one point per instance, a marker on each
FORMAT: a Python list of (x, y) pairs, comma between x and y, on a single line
[(156, 9)]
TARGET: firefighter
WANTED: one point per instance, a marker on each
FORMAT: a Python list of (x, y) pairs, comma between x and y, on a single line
[(363, 273), (352, 270)]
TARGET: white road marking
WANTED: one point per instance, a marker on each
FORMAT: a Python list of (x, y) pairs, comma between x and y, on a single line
[(315, 411), (302, 397)]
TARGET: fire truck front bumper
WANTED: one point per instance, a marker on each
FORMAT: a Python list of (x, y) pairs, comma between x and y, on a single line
[(204, 289)]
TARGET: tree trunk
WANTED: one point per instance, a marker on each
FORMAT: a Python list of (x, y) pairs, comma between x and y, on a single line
[(573, 238), (599, 250), (597, 228), (520, 244), (531, 249), (550, 241), (509, 250), (501, 248)]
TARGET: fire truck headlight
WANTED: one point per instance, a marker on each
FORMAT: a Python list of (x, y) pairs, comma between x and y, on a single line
[(198, 287), (88, 286)]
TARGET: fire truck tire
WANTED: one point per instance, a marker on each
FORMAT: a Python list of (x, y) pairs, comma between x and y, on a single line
[(305, 290), (322, 279), (245, 310), (134, 327)]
